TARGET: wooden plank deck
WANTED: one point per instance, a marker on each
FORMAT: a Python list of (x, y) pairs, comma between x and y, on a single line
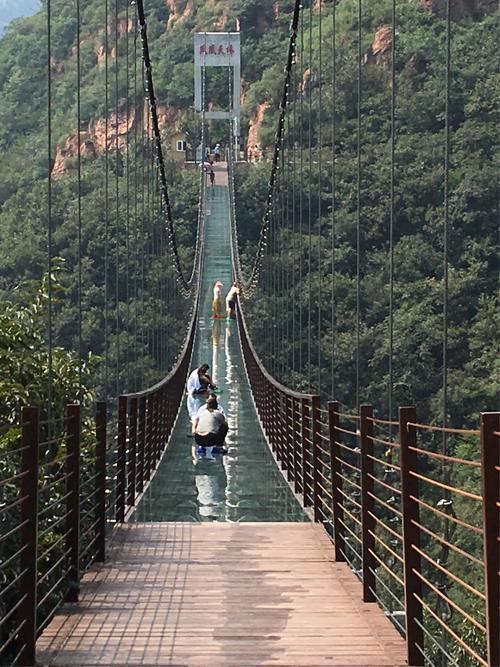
[(221, 594)]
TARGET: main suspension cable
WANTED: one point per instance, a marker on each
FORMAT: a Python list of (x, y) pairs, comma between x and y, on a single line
[(187, 285)]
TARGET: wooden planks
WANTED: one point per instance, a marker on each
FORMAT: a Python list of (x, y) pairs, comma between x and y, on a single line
[(221, 594)]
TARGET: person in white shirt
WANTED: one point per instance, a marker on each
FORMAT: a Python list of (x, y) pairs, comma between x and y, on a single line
[(199, 381), (203, 407), (216, 304), (231, 300), (210, 428)]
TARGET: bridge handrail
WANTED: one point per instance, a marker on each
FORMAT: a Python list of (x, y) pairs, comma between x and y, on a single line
[(53, 523), (392, 521)]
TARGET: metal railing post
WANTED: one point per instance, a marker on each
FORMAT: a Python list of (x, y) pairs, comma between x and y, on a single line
[(337, 512), (121, 460), (296, 460), (303, 435), (411, 537), (148, 451), (290, 450), (73, 431), (315, 426), (280, 430), (132, 459), (100, 464), (367, 503), (141, 444), (490, 473), (30, 441)]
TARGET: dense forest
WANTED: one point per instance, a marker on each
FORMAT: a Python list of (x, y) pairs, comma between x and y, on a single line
[(330, 309)]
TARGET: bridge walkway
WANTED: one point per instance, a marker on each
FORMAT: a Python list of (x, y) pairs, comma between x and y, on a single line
[(221, 594), (219, 565)]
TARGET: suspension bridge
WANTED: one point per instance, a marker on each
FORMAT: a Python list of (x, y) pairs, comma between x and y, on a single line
[(331, 533)]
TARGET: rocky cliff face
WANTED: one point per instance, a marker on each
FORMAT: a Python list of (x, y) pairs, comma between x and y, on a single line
[(94, 140), (254, 144), (460, 9), (380, 53)]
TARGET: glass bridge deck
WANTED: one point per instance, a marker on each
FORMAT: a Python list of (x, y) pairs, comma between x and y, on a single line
[(244, 485)]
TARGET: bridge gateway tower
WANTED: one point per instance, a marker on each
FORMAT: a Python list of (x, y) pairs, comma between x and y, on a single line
[(218, 49)]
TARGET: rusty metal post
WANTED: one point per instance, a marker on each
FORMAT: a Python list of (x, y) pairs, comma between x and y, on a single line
[(289, 438), (296, 460), (30, 441), (263, 408), (490, 472), (73, 426), (367, 503), (148, 450), (165, 421), (315, 427), (303, 442), (337, 511), (132, 456), (280, 430), (100, 466), (411, 537), (121, 460), (158, 425), (154, 433), (141, 444), (272, 419)]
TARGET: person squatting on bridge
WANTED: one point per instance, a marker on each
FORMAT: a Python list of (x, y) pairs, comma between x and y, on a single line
[(209, 426), (199, 381), (216, 303), (231, 301)]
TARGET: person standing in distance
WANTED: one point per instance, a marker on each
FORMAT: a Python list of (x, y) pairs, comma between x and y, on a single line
[(216, 303), (231, 301)]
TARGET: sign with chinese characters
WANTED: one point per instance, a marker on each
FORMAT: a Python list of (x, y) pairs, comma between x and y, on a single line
[(217, 49)]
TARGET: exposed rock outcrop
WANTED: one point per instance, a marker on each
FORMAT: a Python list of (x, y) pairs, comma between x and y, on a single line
[(254, 144), (382, 45), (380, 51), (176, 15), (94, 140), (55, 66)]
